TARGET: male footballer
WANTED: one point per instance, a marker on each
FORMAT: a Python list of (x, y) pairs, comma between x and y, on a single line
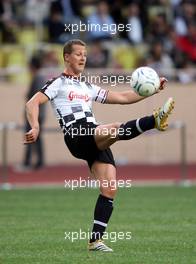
[(71, 101)]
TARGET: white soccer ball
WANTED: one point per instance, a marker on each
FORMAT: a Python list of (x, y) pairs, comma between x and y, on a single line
[(145, 81)]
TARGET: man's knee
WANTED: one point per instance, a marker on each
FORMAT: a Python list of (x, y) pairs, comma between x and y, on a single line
[(114, 129), (109, 191)]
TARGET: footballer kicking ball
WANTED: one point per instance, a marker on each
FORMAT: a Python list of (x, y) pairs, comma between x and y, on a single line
[(145, 81)]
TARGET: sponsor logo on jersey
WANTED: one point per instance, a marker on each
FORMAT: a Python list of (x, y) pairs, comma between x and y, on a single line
[(72, 95)]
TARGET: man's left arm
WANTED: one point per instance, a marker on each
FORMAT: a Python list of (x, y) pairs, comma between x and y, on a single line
[(129, 97), (125, 97)]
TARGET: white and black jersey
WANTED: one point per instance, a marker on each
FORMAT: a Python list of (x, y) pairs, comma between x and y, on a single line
[(72, 99)]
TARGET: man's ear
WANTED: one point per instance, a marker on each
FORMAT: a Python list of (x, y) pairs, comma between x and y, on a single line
[(66, 57)]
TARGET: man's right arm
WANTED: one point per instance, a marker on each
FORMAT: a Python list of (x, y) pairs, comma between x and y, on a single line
[(32, 112)]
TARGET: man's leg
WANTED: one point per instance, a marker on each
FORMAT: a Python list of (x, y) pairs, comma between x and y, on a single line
[(28, 155), (39, 153), (28, 149), (105, 174), (106, 135)]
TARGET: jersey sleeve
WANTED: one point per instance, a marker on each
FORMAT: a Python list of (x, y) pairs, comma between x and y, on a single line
[(99, 94), (51, 88)]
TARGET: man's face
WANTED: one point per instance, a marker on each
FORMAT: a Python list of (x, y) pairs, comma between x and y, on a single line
[(77, 59)]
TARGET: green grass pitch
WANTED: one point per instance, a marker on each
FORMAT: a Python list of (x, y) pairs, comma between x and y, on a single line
[(162, 221)]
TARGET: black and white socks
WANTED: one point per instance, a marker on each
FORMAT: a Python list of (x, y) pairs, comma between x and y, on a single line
[(136, 127), (102, 213)]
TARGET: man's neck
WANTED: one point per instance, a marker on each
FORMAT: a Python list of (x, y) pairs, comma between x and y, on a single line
[(68, 72)]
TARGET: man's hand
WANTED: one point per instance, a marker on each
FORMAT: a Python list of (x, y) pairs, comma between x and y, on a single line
[(32, 111), (163, 82), (31, 136)]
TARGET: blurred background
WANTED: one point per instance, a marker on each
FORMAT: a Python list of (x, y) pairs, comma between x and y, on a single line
[(162, 36)]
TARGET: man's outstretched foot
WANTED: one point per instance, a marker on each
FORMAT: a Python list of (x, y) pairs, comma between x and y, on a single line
[(161, 115), (98, 245)]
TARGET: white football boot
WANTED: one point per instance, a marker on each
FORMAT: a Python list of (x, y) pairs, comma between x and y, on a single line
[(98, 245)]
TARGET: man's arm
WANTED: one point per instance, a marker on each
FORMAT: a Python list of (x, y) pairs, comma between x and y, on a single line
[(32, 112), (129, 97), (125, 97)]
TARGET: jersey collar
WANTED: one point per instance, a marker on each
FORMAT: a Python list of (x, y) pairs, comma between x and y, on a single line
[(70, 76)]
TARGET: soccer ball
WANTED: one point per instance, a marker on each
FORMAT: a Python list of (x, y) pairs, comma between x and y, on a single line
[(145, 81)]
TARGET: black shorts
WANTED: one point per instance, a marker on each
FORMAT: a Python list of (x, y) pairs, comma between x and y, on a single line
[(79, 138)]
